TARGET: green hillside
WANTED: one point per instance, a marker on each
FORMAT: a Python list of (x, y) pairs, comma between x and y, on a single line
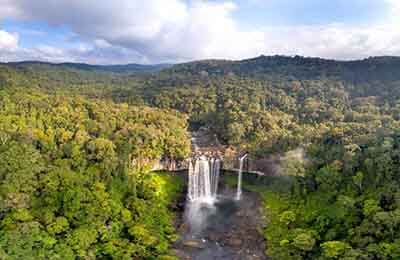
[(80, 128)]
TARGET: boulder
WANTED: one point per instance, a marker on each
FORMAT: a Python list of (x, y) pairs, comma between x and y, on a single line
[(235, 242), (193, 244)]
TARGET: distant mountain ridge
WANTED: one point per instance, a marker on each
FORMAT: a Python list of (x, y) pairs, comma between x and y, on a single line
[(381, 68), (307, 67), (119, 68), (298, 67)]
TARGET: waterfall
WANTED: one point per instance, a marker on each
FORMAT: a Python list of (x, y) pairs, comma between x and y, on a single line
[(203, 179), (215, 166), (239, 183)]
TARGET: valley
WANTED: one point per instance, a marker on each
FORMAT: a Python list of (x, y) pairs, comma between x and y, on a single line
[(319, 141)]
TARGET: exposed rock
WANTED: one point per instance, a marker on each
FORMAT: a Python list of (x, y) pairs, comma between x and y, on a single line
[(231, 234), (241, 213), (213, 237), (234, 242), (182, 255), (183, 228), (193, 244)]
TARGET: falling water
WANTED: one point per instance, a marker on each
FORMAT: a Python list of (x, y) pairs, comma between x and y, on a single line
[(239, 184), (215, 166), (203, 179), (202, 192)]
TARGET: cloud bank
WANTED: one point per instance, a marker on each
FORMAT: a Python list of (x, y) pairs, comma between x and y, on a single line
[(154, 31)]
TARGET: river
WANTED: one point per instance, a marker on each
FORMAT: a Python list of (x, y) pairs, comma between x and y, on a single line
[(227, 230)]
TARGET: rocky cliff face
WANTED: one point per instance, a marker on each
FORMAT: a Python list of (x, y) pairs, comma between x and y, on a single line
[(206, 143)]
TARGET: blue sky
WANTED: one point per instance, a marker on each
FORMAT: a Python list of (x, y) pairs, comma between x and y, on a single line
[(309, 12), (154, 31), (34, 33)]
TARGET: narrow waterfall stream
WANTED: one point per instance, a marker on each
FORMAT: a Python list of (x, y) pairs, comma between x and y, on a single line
[(240, 177)]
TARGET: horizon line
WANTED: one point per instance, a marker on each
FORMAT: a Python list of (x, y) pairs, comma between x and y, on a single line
[(39, 61)]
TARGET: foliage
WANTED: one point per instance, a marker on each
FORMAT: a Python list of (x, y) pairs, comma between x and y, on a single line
[(74, 179), (341, 213), (73, 166)]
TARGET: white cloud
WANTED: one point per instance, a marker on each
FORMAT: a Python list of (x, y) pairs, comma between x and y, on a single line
[(8, 45), (159, 30), (177, 30), (8, 9), (393, 18), (337, 41), (8, 41), (395, 4)]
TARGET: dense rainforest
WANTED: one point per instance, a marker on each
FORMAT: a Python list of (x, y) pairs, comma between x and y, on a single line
[(75, 143), (74, 179)]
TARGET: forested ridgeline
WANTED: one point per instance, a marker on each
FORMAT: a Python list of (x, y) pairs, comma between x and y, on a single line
[(334, 124), (265, 104), (74, 179)]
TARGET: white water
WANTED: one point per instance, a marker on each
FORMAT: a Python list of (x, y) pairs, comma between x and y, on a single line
[(239, 183), (215, 166), (203, 180), (195, 146)]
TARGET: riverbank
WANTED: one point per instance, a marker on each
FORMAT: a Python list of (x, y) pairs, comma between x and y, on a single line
[(280, 212)]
